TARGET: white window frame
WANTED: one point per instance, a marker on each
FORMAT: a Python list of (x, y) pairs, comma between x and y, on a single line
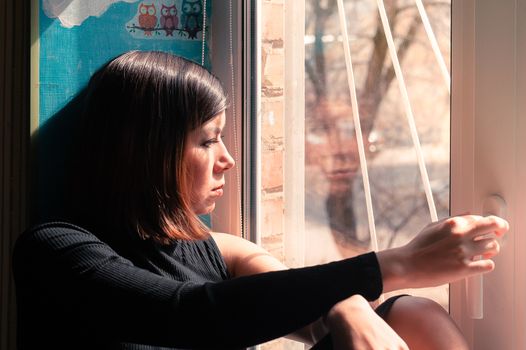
[(487, 157), (294, 129)]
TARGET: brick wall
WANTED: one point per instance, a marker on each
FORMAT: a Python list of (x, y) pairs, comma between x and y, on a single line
[(272, 126), (272, 143)]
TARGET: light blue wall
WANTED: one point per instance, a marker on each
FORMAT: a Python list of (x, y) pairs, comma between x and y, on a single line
[(69, 56)]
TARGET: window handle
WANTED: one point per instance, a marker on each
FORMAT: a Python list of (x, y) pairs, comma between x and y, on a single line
[(492, 205)]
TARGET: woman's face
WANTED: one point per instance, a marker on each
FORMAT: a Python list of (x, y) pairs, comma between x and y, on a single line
[(332, 146), (206, 160)]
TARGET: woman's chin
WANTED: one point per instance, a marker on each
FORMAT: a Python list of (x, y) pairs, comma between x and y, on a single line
[(205, 210), (340, 186)]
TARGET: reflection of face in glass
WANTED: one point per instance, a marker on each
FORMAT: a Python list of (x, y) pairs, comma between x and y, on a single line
[(331, 144)]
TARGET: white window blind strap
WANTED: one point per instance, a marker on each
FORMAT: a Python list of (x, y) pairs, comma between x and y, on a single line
[(409, 111), (434, 44), (203, 43), (357, 125), (237, 169), (358, 128)]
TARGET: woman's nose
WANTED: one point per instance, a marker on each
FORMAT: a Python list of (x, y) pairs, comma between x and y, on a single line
[(225, 161)]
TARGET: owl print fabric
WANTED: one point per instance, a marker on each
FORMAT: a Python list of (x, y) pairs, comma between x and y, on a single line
[(167, 20)]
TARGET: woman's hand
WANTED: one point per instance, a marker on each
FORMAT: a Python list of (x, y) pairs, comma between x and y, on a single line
[(353, 324), (443, 252)]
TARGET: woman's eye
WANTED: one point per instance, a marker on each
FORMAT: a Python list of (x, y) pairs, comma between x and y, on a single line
[(319, 130), (210, 142)]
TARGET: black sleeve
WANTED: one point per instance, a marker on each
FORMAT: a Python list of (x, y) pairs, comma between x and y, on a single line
[(71, 266)]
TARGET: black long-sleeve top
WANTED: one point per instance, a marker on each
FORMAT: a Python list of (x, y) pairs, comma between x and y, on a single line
[(75, 291)]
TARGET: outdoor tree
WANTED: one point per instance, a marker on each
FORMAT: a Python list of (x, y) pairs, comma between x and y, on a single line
[(331, 143)]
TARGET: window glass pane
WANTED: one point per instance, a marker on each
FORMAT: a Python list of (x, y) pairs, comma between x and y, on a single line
[(328, 219), (335, 211)]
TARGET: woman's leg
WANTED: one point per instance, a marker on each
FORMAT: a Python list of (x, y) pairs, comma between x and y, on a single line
[(424, 324), (421, 323)]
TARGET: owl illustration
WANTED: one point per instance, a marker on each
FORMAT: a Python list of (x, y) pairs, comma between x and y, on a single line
[(147, 18), (169, 19), (192, 17)]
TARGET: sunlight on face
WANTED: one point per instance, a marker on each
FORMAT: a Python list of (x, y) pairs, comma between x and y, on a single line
[(206, 160)]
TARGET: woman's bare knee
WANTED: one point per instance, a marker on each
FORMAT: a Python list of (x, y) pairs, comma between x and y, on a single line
[(424, 324)]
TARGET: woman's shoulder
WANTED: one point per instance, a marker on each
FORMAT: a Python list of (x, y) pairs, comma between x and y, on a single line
[(244, 257), (52, 227), (60, 242), (53, 232)]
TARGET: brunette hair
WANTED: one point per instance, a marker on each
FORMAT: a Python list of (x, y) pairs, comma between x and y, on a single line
[(130, 173)]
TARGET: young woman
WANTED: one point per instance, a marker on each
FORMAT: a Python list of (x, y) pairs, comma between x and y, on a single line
[(134, 268)]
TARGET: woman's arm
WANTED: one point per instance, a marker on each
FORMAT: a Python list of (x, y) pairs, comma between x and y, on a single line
[(68, 269), (244, 258), (354, 324), (443, 252)]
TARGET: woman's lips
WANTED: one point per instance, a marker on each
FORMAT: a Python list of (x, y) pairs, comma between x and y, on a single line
[(341, 174), (218, 190)]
